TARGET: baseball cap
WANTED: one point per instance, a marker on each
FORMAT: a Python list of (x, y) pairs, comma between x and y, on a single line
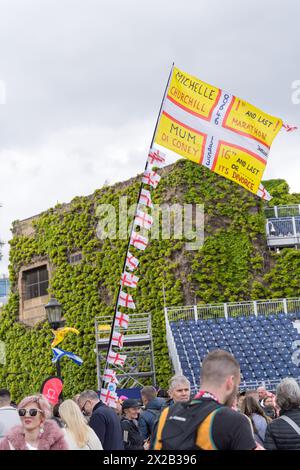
[(131, 403)]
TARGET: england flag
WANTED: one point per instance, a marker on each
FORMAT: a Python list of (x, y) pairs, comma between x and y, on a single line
[(138, 241), (151, 178), (109, 376), (122, 320), (156, 158), (145, 198), (116, 358), (142, 219), (117, 339), (129, 280), (125, 300), (131, 262)]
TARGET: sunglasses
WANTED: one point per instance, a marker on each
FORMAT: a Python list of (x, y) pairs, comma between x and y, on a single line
[(31, 412), (82, 409)]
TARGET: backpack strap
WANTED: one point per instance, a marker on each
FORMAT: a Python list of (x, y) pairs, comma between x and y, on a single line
[(157, 445), (291, 423)]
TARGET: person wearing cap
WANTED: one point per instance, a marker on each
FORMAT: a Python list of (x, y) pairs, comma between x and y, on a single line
[(132, 438)]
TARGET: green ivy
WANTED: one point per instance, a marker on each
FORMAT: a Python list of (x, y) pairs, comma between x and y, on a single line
[(233, 265)]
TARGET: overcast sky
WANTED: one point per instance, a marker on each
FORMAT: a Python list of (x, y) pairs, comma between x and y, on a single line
[(84, 80)]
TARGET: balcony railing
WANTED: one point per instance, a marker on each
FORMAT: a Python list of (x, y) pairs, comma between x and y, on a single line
[(282, 211)]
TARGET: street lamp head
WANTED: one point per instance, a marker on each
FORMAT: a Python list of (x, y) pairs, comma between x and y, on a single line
[(54, 311)]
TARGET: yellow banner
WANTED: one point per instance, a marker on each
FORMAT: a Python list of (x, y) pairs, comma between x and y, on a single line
[(192, 94), (247, 120), (239, 165), (216, 129), (180, 138)]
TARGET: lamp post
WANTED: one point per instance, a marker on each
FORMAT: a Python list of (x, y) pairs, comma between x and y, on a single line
[(54, 315)]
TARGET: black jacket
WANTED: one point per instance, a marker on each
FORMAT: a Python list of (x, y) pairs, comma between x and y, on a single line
[(132, 438), (280, 435), (106, 424), (150, 415)]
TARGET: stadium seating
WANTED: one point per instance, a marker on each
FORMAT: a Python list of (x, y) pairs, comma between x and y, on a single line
[(262, 345)]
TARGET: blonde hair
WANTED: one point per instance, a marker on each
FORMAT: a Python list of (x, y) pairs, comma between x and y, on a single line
[(71, 415)]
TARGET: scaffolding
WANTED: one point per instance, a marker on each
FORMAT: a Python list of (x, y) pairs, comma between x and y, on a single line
[(139, 368)]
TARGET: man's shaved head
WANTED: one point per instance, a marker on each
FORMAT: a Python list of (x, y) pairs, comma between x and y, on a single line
[(217, 366)]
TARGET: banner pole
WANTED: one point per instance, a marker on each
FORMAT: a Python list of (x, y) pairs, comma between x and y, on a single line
[(132, 224)]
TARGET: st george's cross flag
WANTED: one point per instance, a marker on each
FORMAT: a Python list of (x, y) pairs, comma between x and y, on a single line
[(131, 262), (122, 320), (109, 376), (116, 358), (151, 178), (216, 129), (125, 300), (156, 158), (145, 198), (129, 280), (117, 339), (263, 193), (108, 397), (142, 219), (138, 241)]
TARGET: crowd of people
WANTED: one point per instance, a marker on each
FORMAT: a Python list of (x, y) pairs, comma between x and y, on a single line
[(219, 416)]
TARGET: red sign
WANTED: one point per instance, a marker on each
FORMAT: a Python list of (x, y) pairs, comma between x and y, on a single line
[(51, 389)]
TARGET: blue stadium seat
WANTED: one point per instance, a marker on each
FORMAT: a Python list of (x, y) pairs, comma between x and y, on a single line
[(252, 318), (272, 374), (294, 370), (212, 348), (262, 346), (259, 374), (283, 372)]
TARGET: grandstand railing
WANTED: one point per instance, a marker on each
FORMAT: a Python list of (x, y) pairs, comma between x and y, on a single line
[(172, 348), (232, 309), (282, 211), (269, 385)]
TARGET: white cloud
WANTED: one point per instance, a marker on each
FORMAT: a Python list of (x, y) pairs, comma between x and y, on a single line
[(84, 81)]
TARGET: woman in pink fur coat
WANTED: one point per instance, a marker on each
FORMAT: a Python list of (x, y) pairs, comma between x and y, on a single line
[(37, 431)]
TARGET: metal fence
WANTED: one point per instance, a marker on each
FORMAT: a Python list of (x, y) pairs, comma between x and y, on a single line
[(282, 211), (283, 227), (269, 385), (172, 347), (139, 324), (233, 309), (180, 313)]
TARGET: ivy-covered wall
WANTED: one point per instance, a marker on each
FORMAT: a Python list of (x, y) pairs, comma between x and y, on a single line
[(234, 264)]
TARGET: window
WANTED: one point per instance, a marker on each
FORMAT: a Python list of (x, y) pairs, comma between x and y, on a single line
[(4, 287), (75, 258), (36, 282)]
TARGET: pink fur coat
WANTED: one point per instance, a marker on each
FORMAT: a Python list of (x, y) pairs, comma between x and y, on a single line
[(51, 439)]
